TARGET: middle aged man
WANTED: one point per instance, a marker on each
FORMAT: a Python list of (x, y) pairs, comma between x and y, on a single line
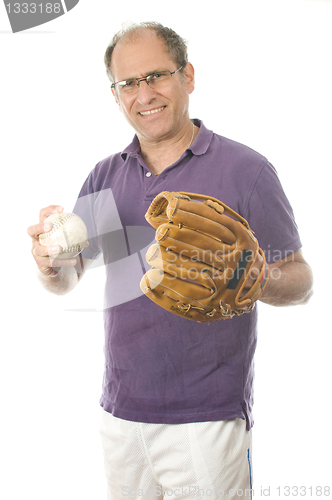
[(177, 395)]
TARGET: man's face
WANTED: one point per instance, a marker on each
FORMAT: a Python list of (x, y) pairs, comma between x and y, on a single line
[(139, 58)]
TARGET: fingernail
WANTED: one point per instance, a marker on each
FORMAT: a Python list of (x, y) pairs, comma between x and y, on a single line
[(47, 227), (54, 250)]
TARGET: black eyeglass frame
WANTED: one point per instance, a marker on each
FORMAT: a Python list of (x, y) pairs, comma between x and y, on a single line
[(146, 78)]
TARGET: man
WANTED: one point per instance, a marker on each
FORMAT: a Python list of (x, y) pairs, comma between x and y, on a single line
[(177, 395)]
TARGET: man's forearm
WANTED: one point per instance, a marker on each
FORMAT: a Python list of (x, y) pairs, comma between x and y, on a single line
[(288, 285), (61, 283)]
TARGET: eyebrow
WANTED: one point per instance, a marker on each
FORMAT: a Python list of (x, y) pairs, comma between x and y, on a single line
[(146, 74)]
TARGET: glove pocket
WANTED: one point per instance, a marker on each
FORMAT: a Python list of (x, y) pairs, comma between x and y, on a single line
[(205, 221), (193, 244), (182, 266)]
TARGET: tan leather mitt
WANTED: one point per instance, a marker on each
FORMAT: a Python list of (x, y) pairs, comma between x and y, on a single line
[(206, 264)]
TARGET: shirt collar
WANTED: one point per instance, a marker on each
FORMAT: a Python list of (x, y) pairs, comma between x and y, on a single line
[(198, 147), (203, 139), (132, 150)]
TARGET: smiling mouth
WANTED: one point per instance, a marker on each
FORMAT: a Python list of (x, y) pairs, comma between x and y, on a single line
[(152, 111)]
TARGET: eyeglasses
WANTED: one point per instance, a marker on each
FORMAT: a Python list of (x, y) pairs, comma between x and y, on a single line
[(155, 81)]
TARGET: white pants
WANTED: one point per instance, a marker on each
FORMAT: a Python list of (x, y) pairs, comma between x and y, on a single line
[(204, 460)]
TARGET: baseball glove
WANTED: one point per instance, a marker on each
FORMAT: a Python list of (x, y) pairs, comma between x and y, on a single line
[(206, 264)]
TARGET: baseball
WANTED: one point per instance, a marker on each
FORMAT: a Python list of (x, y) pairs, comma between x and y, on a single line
[(68, 231)]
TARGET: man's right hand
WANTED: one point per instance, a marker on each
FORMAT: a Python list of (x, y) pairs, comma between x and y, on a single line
[(45, 257)]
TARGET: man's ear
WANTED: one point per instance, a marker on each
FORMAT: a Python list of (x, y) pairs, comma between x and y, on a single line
[(115, 96), (190, 77)]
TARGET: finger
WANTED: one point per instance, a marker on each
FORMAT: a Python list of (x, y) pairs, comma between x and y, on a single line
[(189, 242), (63, 262), (257, 271), (51, 209), (203, 218), (44, 251), (48, 256), (53, 262), (37, 229), (160, 283), (181, 265), (48, 270)]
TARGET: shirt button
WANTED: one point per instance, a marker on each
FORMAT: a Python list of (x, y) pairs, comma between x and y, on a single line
[(148, 174)]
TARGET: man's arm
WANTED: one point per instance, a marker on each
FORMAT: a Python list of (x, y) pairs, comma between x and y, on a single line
[(290, 282), (63, 280), (57, 276)]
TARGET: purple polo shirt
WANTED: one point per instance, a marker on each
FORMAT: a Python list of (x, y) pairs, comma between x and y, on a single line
[(159, 367)]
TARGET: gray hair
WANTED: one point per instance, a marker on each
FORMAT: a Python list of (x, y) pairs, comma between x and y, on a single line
[(174, 44)]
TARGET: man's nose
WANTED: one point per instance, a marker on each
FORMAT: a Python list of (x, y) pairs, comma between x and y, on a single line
[(145, 92)]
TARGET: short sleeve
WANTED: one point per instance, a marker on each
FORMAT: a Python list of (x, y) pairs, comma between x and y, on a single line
[(271, 216), (84, 208)]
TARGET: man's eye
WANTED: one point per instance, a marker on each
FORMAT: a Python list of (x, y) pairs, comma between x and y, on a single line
[(129, 83), (156, 76)]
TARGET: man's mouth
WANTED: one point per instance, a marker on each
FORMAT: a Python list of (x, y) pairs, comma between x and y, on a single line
[(151, 111)]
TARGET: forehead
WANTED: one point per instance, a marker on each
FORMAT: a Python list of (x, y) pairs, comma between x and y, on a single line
[(140, 56)]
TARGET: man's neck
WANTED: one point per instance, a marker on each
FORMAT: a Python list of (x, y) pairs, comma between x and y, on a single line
[(159, 156)]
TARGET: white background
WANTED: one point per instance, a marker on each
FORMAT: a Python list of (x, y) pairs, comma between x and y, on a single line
[(271, 60)]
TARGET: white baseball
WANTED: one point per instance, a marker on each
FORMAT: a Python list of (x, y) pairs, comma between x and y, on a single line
[(68, 231)]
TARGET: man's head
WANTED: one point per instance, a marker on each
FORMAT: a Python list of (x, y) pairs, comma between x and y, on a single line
[(152, 81), (174, 44)]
